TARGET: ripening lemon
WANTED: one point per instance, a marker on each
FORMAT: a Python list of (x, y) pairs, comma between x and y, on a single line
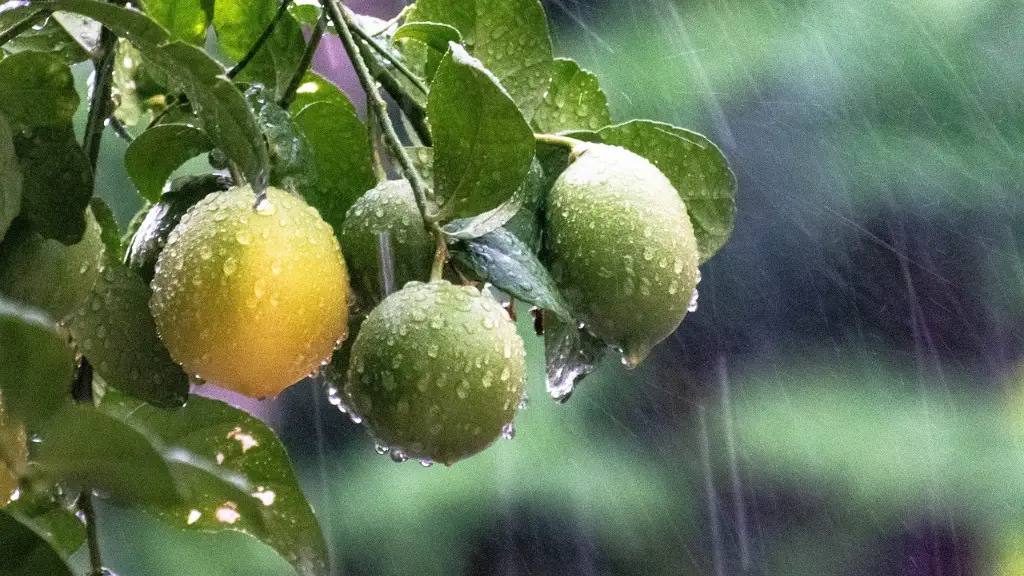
[(437, 371), (621, 248), (251, 298)]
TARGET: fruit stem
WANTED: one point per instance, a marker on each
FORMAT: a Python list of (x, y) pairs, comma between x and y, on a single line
[(22, 25), (89, 512), (565, 141), (342, 22), (255, 48), (307, 58)]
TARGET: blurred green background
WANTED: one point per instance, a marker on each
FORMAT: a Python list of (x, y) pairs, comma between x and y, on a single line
[(847, 398)]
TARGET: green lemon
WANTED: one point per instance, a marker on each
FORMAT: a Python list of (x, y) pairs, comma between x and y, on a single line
[(251, 298), (437, 371), (390, 207), (621, 248), (47, 274)]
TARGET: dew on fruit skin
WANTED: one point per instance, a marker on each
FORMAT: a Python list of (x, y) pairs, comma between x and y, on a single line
[(692, 306), (508, 431), (229, 267), (381, 448), (426, 462), (398, 455), (524, 402)]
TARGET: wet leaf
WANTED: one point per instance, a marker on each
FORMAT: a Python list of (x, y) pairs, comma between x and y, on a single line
[(423, 160), (134, 91), (697, 169), (10, 178), (110, 235), (482, 145), (528, 192), (239, 23), (159, 151), (151, 235), (36, 364), (185, 19), (506, 262), (291, 161), (24, 552), (241, 444), (433, 37), (116, 331), (571, 353), (49, 35), (341, 152), (59, 526), (39, 89), (315, 88), (574, 100), (220, 105), (510, 38)]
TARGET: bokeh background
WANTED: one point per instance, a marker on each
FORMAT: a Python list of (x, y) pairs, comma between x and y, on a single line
[(846, 400)]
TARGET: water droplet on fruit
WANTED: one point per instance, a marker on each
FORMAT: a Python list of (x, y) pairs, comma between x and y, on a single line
[(243, 237), (230, 265), (692, 307), (398, 455), (508, 431)]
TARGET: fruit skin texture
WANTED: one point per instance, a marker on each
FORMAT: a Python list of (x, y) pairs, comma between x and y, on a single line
[(47, 274), (390, 207), (251, 299), (621, 248), (437, 370)]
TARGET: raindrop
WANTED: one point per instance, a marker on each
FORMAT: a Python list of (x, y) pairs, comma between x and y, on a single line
[(380, 448), (692, 307), (508, 431), (426, 462), (398, 455)]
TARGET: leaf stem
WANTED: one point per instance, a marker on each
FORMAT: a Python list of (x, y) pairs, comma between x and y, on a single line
[(565, 141), (379, 108), (385, 53), (89, 512), (22, 25), (307, 58), (255, 48)]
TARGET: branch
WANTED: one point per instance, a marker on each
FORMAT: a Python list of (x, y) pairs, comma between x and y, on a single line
[(380, 108), (307, 58), (89, 512), (99, 103), (237, 68), (413, 111)]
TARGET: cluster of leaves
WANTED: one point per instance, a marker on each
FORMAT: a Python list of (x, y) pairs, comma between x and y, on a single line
[(475, 80)]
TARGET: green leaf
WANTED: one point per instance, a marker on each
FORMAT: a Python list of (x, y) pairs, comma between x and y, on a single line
[(239, 23), (574, 100), (134, 91), (10, 178), (226, 117), (49, 35), (151, 235), (57, 181), (434, 37), (571, 353), (505, 261), (36, 364), (423, 160), (315, 88), (476, 226), (291, 162), (39, 89), (59, 526), (110, 235), (510, 37), (24, 552), (305, 11), (239, 443), (115, 330), (159, 151), (697, 169), (185, 19), (482, 145), (342, 155)]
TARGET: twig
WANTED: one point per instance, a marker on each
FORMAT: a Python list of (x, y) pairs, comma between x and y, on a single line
[(237, 68), (380, 109), (384, 52), (89, 512), (307, 58), (414, 112), (120, 129), (22, 25), (99, 103)]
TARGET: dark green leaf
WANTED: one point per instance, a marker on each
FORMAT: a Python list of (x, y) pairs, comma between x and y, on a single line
[(341, 152), (36, 364), (571, 353), (135, 91), (10, 178), (434, 37), (151, 235), (239, 23), (423, 160), (503, 260), (83, 446), (697, 169), (115, 330), (510, 37), (482, 145), (48, 35), (315, 88), (59, 526), (23, 552), (476, 226), (57, 183), (226, 117), (185, 19), (291, 162), (39, 89), (527, 223), (159, 151), (574, 100), (238, 443), (110, 235)]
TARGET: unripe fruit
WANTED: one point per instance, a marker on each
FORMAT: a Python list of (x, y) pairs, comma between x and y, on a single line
[(437, 371), (621, 248), (47, 274), (390, 207), (251, 298)]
